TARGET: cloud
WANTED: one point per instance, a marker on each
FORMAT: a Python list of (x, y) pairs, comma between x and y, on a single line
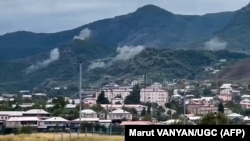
[(54, 55), (124, 53), (84, 34), (215, 44)]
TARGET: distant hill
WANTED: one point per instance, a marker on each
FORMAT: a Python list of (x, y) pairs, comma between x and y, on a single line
[(240, 71), (237, 32), (158, 64), (150, 26), (173, 47)]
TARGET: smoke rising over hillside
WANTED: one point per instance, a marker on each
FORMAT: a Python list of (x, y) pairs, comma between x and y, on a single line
[(54, 55), (84, 34), (97, 64), (215, 44), (124, 53), (127, 52)]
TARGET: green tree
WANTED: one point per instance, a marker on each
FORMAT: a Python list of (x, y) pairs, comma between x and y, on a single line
[(134, 97), (25, 130), (235, 107), (143, 112), (102, 99), (214, 119), (97, 108), (221, 108), (59, 102), (207, 92)]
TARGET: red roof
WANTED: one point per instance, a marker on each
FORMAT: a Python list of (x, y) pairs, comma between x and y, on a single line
[(136, 123)]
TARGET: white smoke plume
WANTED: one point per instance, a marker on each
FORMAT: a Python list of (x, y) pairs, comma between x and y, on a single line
[(54, 55), (124, 53), (84, 34), (127, 52), (215, 44), (97, 64)]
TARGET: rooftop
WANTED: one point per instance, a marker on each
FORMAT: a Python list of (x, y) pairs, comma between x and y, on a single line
[(23, 119), (57, 119), (36, 111), (88, 111)]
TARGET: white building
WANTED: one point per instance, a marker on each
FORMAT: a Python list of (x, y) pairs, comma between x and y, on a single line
[(134, 82), (36, 113), (158, 96), (117, 92), (119, 114), (226, 89), (156, 85), (245, 96), (54, 122), (88, 113), (5, 115), (16, 122)]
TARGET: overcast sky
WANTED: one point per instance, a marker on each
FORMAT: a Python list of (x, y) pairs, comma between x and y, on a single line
[(58, 15)]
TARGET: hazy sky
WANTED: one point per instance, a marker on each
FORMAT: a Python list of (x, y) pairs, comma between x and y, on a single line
[(58, 15)]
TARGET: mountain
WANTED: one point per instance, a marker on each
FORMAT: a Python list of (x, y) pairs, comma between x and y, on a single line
[(33, 60), (237, 72), (237, 32), (23, 44), (150, 26), (158, 64)]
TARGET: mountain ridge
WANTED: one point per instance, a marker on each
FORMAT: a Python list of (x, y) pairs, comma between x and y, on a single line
[(151, 27)]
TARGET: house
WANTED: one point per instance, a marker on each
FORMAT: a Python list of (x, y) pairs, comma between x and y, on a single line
[(89, 100), (156, 85), (200, 109), (245, 103), (39, 95), (247, 120), (36, 113), (226, 93), (245, 96), (152, 95), (24, 105), (234, 115), (16, 122), (123, 123), (26, 96), (138, 107), (119, 114), (53, 123), (171, 121), (120, 92), (226, 88), (134, 82), (225, 97), (105, 122), (194, 119), (70, 106), (88, 113), (5, 115)]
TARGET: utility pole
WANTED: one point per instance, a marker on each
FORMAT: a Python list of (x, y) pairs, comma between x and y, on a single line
[(80, 97), (184, 107)]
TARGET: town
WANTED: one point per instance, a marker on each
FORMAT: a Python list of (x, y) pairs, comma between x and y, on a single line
[(137, 103)]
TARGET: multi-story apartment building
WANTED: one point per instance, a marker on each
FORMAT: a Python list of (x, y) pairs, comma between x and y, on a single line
[(121, 92), (153, 95)]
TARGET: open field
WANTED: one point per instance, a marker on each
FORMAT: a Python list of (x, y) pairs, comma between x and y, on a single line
[(58, 137)]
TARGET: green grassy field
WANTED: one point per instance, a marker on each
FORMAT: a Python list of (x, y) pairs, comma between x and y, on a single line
[(58, 137)]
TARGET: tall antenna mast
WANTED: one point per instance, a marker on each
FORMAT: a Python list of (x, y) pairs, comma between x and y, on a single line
[(80, 97)]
